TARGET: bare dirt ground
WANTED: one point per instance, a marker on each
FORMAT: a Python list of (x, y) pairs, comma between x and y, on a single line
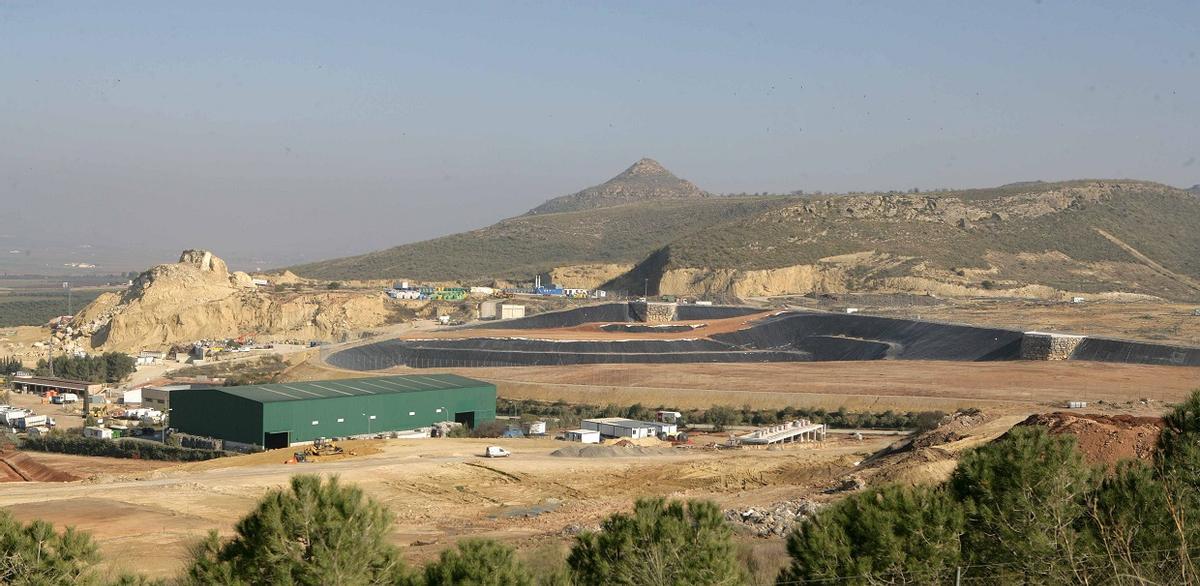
[(1018, 386), (593, 331), (438, 489)]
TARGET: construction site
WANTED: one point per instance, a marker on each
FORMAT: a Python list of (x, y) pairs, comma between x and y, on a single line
[(556, 482), (647, 332)]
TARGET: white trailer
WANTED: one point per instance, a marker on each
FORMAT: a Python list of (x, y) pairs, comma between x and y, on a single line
[(621, 427), (98, 432), (583, 436)]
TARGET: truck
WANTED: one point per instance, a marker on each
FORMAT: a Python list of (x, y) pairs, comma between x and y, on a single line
[(64, 398), (29, 421)]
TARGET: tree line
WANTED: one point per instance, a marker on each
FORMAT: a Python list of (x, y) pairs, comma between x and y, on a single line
[(110, 367), (722, 416)]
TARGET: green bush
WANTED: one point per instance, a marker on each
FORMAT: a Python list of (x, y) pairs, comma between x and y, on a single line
[(120, 448)]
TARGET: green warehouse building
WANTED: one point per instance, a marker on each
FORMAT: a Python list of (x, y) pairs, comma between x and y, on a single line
[(278, 415)]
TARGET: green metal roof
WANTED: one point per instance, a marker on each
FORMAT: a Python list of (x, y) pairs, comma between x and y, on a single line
[(330, 389)]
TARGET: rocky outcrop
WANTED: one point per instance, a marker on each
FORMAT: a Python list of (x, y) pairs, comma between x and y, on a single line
[(793, 280), (197, 298), (588, 276)]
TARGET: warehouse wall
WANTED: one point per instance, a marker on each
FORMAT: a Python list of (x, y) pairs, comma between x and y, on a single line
[(214, 413), (392, 412)]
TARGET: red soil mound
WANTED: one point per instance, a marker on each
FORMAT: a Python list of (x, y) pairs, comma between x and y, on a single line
[(17, 467), (1105, 439)]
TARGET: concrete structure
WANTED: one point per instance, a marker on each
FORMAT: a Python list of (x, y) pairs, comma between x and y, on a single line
[(279, 415), (1046, 346), (489, 309), (653, 311), (621, 427), (508, 311), (800, 430), (583, 436), (159, 397), (43, 384), (148, 358), (131, 397)]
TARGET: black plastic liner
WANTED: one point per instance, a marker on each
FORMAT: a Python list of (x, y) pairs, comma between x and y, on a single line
[(1108, 350), (787, 336), (863, 337)]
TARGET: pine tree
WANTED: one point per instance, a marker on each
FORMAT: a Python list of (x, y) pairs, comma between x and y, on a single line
[(36, 554), (315, 534), (1024, 496), (893, 535), (660, 544), (478, 562)]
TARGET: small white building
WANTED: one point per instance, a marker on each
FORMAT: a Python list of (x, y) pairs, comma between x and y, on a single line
[(148, 358), (511, 311), (621, 427), (583, 436), (98, 432), (131, 397), (537, 428)]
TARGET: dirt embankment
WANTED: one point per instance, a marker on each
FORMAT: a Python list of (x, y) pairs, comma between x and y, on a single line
[(1105, 439), (198, 298)]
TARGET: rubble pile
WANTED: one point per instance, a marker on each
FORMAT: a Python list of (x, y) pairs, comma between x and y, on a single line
[(776, 520)]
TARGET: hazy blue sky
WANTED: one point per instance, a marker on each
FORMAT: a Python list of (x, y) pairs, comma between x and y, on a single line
[(317, 129)]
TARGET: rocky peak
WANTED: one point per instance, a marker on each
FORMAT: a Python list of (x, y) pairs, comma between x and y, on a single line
[(643, 168), (643, 181), (204, 260)]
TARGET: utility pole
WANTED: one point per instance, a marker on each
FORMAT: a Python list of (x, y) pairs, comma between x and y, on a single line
[(646, 289)]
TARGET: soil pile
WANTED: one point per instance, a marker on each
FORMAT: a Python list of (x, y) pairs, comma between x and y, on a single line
[(1105, 439), (198, 298), (594, 451), (18, 467)]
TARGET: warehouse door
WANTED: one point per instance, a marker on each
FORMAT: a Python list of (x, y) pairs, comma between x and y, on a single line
[(276, 440), (466, 418)]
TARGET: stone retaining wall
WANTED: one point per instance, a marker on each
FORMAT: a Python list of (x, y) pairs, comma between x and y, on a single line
[(1043, 346)]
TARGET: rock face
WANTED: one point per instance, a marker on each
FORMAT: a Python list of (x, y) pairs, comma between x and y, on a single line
[(644, 180), (197, 298), (588, 276)]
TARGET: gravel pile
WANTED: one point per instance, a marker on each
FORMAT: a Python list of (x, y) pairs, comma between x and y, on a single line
[(777, 520)]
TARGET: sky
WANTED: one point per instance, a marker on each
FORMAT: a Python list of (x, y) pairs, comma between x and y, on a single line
[(273, 132)]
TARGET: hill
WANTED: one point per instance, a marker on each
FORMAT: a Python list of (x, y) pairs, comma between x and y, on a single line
[(613, 224), (643, 181), (1029, 240), (199, 298)]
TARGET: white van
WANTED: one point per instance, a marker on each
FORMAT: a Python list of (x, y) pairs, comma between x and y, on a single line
[(495, 452)]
